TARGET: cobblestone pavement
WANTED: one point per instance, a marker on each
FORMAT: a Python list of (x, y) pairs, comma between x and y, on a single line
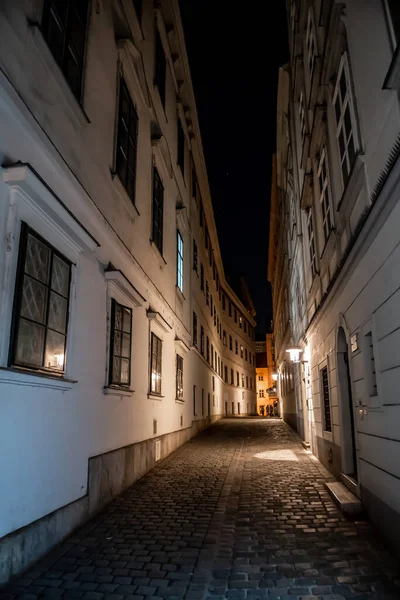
[(239, 512)]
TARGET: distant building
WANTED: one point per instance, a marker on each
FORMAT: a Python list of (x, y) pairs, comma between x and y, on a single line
[(120, 336), (334, 260), (267, 399)]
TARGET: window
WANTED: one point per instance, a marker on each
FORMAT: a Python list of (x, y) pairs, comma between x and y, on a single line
[(240, 321), (325, 195), (127, 141), (155, 369), (207, 294), (208, 350), (393, 10), (251, 383), (138, 8), (345, 119), (206, 237), (245, 326), (223, 302), (120, 344), (215, 317), (179, 261), (230, 343), (212, 356), (245, 353), (370, 367), (158, 211), (237, 378), (236, 347), (201, 277), (232, 377), (211, 305), (160, 69), (195, 329), (179, 377), (326, 400), (260, 378), (181, 147), (311, 242), (242, 380), (261, 393), (41, 303), (241, 351), (310, 42), (224, 337), (194, 256), (230, 309), (302, 117), (247, 381), (219, 364), (64, 28), (226, 373)]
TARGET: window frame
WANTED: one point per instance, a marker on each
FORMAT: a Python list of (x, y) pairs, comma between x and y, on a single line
[(179, 261), (132, 142), (112, 383), (325, 199), (195, 256), (325, 400), (157, 368), (179, 378), (312, 249), (157, 230), (195, 322)]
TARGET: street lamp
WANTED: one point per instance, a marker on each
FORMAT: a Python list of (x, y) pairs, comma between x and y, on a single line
[(294, 353), (275, 376)]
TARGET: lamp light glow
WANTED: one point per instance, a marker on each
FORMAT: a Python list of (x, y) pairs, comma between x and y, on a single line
[(294, 353)]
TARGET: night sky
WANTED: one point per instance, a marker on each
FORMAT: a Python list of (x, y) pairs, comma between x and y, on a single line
[(234, 59)]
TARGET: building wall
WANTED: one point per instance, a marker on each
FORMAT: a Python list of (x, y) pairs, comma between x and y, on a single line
[(345, 384), (58, 176)]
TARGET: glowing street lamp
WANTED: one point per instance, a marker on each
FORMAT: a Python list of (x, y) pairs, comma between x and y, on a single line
[(294, 353), (275, 376)]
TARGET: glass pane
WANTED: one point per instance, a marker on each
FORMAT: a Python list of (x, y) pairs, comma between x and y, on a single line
[(76, 33), (117, 316), (351, 150), (124, 106), (126, 345), (342, 84), (57, 313), (60, 9), (337, 108), (55, 343), (126, 320), (60, 276), (121, 165), (116, 370), (132, 155), (55, 39), (34, 300), (72, 71), (130, 186), (341, 144), (124, 370), (30, 343), (117, 343), (81, 6), (37, 262), (347, 122)]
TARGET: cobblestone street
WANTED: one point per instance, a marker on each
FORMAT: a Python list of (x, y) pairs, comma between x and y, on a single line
[(239, 512)]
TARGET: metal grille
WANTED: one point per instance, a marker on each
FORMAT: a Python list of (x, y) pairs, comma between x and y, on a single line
[(326, 400)]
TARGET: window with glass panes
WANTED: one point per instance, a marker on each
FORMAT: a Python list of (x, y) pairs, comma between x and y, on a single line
[(160, 67), (127, 141), (194, 329), (325, 194), (156, 364), (64, 27), (41, 302), (326, 399), (232, 377), (194, 256), (202, 340), (179, 261), (345, 119), (201, 277), (311, 241), (179, 377), (311, 42), (158, 211), (120, 344), (230, 343)]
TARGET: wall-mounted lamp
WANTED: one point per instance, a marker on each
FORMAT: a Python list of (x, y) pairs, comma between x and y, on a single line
[(275, 376), (294, 353)]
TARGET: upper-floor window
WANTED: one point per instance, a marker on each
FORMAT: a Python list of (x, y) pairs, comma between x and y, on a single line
[(194, 256), (240, 321), (224, 338), (223, 302), (236, 347), (207, 293), (64, 27), (155, 364), (241, 351), (242, 380), (393, 12), (40, 317), (325, 194), (245, 326), (194, 329), (158, 210), (237, 378), (181, 147), (179, 261), (201, 277), (311, 42), (302, 116), (245, 353), (326, 400), (225, 374), (232, 377), (230, 343), (120, 344), (127, 141), (260, 378), (179, 377), (160, 67), (138, 5), (311, 241), (202, 340), (345, 119)]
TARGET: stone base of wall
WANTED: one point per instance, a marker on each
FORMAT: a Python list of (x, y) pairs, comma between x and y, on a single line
[(109, 474), (386, 520), (291, 419), (328, 454)]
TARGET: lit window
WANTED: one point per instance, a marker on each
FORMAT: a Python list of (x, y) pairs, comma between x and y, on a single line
[(179, 262), (240, 321), (325, 195), (158, 210), (311, 242), (155, 369), (345, 119), (120, 344), (326, 399), (39, 328), (310, 41), (64, 27), (179, 377), (241, 351)]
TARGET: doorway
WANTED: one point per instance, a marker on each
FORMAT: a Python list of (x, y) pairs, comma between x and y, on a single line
[(347, 421)]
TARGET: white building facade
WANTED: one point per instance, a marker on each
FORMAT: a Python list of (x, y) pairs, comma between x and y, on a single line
[(120, 337), (340, 176)]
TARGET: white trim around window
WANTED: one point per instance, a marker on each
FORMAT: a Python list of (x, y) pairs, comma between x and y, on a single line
[(325, 194)]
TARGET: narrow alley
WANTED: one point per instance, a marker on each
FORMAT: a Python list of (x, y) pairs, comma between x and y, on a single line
[(238, 512)]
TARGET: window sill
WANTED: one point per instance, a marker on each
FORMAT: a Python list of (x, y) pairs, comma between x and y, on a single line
[(122, 192), (157, 253), (179, 401), (180, 294), (114, 390), (25, 377), (327, 435), (75, 108), (153, 396)]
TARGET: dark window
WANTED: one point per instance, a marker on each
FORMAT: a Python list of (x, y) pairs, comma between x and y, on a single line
[(194, 256), (212, 356), (226, 374), (394, 10), (237, 378), (120, 344), (202, 340), (179, 261), (224, 337), (242, 380), (179, 377), (247, 381), (245, 326), (206, 237), (64, 28), (194, 329), (245, 353), (158, 210), (230, 309), (236, 347), (207, 294), (160, 70), (211, 305), (230, 343), (215, 317), (232, 377), (181, 147), (208, 350), (326, 399), (127, 141), (223, 302), (40, 317), (138, 5), (155, 370), (201, 277)]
